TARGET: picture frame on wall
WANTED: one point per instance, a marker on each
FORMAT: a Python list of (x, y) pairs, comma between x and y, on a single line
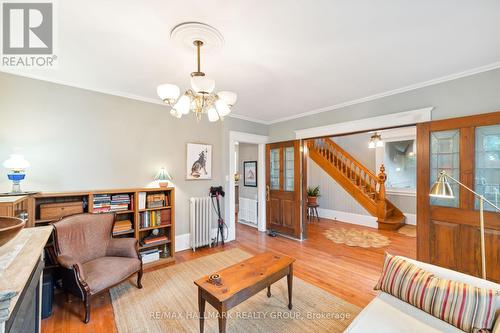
[(250, 173), (198, 161)]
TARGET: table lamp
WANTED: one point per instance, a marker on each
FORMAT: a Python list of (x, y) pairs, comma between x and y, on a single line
[(163, 177), (442, 189), (16, 164)]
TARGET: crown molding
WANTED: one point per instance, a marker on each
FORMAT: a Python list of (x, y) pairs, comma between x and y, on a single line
[(442, 79), (367, 124)]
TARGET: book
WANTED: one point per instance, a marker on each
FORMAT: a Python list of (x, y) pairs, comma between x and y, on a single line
[(142, 200)]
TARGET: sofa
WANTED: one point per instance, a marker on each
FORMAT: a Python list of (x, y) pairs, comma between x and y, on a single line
[(387, 313)]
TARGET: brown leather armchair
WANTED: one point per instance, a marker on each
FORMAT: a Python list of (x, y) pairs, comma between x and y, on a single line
[(92, 261)]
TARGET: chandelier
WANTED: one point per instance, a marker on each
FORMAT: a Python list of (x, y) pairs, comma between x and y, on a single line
[(200, 99)]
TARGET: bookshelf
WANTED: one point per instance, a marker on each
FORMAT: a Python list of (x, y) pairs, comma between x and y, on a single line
[(128, 205)]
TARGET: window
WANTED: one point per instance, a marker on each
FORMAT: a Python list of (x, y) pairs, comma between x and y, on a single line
[(487, 176), (289, 168), (400, 163), (445, 156), (275, 169)]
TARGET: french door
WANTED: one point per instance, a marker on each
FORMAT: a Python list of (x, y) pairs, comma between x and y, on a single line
[(283, 188), (468, 149)]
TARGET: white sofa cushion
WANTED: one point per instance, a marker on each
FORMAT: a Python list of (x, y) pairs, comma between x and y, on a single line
[(387, 314)]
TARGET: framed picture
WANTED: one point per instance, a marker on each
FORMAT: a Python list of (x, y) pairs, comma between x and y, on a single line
[(250, 173), (198, 161)]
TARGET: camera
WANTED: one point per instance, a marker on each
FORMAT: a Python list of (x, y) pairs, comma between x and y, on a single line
[(216, 190)]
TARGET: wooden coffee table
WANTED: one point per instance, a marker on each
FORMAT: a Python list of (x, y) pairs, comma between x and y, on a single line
[(243, 280)]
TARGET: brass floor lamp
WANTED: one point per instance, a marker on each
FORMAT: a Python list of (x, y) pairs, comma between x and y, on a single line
[(442, 189)]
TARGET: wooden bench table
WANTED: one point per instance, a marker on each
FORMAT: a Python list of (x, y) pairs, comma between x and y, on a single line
[(241, 281)]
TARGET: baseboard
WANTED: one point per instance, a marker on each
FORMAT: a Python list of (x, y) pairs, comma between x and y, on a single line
[(182, 242), (411, 219), (359, 219)]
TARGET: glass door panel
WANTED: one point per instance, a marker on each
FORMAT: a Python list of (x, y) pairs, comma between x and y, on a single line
[(445, 155), (275, 169), (289, 168), (487, 175)]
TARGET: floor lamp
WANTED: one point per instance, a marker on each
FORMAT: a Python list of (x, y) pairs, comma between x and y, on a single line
[(442, 189)]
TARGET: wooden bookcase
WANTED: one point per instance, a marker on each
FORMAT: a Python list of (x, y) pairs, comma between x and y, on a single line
[(133, 214)]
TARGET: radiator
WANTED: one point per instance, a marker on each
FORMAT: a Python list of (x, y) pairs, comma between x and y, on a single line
[(200, 216), (248, 210)]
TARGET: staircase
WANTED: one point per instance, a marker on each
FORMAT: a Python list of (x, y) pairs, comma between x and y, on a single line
[(362, 184)]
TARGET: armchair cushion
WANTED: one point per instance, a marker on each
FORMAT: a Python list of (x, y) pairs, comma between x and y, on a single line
[(122, 247), (105, 272)]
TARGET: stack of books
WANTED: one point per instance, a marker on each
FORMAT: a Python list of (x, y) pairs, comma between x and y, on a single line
[(151, 240), (122, 226), (102, 203), (156, 200), (119, 202), (148, 256), (154, 218)]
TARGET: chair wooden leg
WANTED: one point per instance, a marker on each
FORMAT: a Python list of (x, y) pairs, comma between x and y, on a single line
[(139, 279), (86, 302)]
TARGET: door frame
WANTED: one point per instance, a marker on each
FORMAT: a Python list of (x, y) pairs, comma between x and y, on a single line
[(230, 207)]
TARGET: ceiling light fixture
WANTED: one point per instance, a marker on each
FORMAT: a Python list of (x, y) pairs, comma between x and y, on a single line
[(375, 141), (201, 98)]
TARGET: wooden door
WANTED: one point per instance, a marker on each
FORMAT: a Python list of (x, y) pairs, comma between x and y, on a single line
[(283, 188), (468, 149)]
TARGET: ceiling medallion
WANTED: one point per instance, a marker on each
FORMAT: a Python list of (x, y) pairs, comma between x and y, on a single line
[(201, 98)]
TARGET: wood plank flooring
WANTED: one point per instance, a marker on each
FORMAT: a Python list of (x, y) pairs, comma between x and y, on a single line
[(347, 272)]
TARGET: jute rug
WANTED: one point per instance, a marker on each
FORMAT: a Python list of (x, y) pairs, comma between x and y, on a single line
[(356, 237), (408, 230), (169, 303)]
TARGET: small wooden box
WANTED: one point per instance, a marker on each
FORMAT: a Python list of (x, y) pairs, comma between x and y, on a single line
[(52, 211)]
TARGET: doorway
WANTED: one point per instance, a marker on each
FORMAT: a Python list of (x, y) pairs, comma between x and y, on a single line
[(246, 183)]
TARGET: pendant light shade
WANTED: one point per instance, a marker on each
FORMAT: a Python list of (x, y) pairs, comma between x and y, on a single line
[(442, 188), (168, 92), (228, 97), (222, 108), (183, 104), (212, 114), (202, 84)]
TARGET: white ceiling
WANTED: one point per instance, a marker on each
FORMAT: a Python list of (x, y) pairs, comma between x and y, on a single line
[(282, 57)]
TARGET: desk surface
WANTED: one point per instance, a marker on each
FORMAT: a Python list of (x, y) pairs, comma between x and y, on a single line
[(18, 258)]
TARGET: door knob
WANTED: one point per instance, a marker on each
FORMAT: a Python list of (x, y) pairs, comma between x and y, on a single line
[(268, 190)]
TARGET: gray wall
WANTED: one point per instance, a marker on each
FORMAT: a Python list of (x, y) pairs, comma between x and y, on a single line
[(77, 139), (247, 152), (465, 96), (357, 146)]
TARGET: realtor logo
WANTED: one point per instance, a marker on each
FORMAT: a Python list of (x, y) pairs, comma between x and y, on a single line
[(28, 29)]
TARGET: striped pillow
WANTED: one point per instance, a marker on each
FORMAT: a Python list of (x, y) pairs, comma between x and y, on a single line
[(466, 307), (407, 282)]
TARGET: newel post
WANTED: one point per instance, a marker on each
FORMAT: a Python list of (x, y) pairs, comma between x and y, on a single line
[(382, 177)]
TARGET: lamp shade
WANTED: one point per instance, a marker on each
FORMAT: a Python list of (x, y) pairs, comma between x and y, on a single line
[(202, 84), (163, 175), (183, 104), (222, 108), (168, 92), (228, 97), (212, 114), (442, 188), (16, 162)]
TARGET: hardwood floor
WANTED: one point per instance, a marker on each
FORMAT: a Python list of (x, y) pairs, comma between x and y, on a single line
[(347, 272)]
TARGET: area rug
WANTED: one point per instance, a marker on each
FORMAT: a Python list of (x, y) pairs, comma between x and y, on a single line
[(408, 230), (356, 237), (169, 303)]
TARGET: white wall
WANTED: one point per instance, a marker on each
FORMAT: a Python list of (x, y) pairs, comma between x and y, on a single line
[(247, 152), (76, 139)]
